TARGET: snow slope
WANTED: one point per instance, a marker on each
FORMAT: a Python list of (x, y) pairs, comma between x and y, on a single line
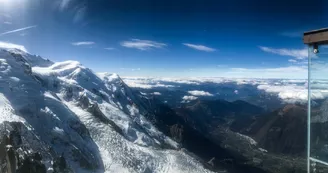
[(94, 121)]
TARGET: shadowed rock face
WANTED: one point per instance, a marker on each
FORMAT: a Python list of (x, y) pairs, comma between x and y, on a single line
[(32, 164), (60, 165), (281, 131), (7, 155), (208, 114), (16, 156), (284, 131), (183, 126)]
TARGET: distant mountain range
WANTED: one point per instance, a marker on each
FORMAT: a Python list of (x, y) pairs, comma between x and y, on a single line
[(238, 136)]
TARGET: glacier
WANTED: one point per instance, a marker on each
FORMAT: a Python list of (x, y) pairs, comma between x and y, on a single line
[(71, 119)]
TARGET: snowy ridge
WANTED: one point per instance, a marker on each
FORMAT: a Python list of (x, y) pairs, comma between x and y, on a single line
[(94, 121), (247, 138)]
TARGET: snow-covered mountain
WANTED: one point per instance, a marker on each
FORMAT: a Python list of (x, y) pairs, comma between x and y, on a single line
[(62, 117)]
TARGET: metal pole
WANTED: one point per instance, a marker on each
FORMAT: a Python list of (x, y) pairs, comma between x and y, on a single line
[(309, 112)]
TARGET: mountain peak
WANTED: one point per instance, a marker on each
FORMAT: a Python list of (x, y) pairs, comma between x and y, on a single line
[(32, 60), (86, 120)]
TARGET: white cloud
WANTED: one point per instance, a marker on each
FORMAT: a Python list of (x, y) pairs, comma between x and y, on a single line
[(200, 93), (142, 44), (297, 53), (199, 47), (18, 30), (292, 91), (83, 43), (7, 23), (288, 92), (109, 48), (157, 93), (292, 60), (189, 98), (6, 45)]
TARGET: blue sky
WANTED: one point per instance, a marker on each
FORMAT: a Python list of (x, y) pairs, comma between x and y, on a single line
[(167, 38)]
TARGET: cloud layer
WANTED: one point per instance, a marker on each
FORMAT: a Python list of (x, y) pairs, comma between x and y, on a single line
[(288, 90), (199, 47), (142, 44)]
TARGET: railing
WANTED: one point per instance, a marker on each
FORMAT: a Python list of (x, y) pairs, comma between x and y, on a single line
[(317, 141)]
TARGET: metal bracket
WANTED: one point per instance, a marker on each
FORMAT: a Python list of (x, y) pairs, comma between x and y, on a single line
[(315, 48)]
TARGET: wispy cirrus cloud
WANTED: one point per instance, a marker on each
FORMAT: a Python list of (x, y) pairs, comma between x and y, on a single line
[(136, 69), (292, 60), (64, 4), (7, 23), (18, 30), (199, 47), (298, 61), (83, 43), (296, 53), (80, 14), (142, 44), (109, 48), (7, 45)]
